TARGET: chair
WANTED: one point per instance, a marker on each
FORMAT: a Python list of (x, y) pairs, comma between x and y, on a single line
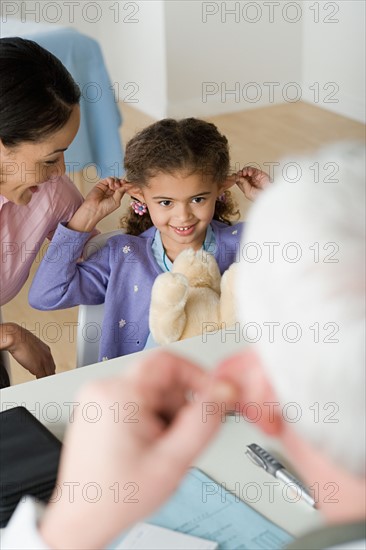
[(90, 318), (4, 358)]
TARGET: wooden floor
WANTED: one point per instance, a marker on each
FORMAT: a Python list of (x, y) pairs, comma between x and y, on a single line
[(259, 136)]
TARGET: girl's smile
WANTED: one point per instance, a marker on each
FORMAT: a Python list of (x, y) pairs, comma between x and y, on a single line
[(184, 230)]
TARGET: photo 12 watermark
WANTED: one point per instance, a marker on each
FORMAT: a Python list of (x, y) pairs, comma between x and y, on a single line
[(69, 11), (125, 92), (91, 412), (272, 332), (270, 12), (273, 492), (292, 171), (90, 492), (269, 92), (253, 412)]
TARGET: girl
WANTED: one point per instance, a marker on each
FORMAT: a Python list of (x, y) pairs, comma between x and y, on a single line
[(178, 174)]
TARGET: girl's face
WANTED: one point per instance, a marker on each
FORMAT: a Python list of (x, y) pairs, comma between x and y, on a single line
[(26, 166), (181, 207)]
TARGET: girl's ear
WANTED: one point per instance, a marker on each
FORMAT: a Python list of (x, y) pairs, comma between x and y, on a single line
[(135, 192), (229, 182)]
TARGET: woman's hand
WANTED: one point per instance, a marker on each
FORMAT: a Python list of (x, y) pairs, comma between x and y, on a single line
[(101, 201), (251, 181), (146, 435), (28, 350)]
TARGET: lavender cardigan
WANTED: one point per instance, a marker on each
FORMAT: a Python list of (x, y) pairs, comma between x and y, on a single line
[(121, 275)]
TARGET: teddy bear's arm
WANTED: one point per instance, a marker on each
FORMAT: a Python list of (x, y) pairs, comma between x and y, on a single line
[(167, 309)]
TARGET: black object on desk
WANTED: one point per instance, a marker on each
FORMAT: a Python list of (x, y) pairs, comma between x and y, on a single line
[(29, 458)]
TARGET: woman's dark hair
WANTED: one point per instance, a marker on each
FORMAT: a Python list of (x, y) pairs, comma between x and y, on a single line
[(37, 93), (191, 145)]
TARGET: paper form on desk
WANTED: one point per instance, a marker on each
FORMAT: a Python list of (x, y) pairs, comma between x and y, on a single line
[(150, 537), (203, 508)]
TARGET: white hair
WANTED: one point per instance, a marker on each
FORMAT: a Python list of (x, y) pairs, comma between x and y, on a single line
[(311, 280)]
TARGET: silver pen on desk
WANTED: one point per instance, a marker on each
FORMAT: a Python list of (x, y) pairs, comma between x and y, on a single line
[(270, 464)]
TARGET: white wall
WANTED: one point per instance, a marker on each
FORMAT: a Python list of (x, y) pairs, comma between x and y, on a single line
[(215, 47), (333, 61), (187, 57), (135, 53)]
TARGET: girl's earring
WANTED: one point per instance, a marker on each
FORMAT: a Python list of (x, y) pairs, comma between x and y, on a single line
[(221, 198), (138, 207)]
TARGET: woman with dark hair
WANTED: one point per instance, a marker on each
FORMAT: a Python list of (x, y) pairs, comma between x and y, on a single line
[(39, 118)]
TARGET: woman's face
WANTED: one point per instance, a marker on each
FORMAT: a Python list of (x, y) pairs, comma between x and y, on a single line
[(29, 164)]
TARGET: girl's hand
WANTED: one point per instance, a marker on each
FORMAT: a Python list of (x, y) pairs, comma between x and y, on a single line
[(251, 181), (102, 200)]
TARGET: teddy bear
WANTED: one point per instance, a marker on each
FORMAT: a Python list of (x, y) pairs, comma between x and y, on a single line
[(191, 298)]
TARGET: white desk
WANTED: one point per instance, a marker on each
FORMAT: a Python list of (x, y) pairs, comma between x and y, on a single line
[(224, 460)]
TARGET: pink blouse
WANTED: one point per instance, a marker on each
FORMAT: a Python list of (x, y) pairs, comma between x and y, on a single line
[(23, 229)]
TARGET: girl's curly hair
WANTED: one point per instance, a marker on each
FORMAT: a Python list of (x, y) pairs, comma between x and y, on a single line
[(170, 146)]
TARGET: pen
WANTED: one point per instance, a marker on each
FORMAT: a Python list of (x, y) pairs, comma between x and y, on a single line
[(270, 464)]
